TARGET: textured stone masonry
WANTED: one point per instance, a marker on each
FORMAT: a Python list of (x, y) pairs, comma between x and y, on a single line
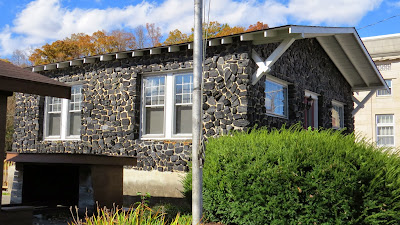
[(112, 93)]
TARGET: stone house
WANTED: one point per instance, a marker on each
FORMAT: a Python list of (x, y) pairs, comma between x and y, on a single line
[(137, 104)]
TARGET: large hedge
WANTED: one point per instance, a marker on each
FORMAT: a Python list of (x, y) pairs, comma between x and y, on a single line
[(296, 176)]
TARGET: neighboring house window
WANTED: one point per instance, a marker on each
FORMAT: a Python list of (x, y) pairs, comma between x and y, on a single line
[(167, 106), (384, 92), (384, 67), (63, 116), (311, 109), (385, 130), (337, 115), (276, 98)]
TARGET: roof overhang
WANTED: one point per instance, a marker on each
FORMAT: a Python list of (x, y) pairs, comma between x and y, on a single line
[(342, 44), (77, 159), (16, 79)]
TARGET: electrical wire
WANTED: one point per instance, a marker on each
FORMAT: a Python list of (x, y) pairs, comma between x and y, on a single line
[(373, 24)]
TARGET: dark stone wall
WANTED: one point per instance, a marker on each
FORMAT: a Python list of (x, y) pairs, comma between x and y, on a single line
[(112, 92), (307, 67)]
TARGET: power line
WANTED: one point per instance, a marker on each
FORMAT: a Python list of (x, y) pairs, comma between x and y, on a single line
[(373, 24)]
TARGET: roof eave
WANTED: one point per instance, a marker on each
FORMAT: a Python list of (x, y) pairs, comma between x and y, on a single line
[(269, 35)]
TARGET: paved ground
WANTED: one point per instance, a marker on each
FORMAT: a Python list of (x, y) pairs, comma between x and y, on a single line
[(52, 216)]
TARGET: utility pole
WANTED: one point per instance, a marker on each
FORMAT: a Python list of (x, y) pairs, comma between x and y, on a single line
[(197, 173)]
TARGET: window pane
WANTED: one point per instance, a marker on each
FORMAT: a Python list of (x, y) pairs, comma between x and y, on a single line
[(154, 90), (154, 120), (74, 123), (54, 104), (384, 119), (310, 116), (183, 88), (337, 116), (385, 130), (183, 119), (76, 98), (384, 91), (54, 124), (385, 140), (275, 98)]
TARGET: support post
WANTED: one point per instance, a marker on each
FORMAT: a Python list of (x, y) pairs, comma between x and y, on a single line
[(197, 199), (3, 118), (265, 66), (361, 104)]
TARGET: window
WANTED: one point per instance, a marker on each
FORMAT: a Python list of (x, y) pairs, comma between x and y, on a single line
[(337, 115), (167, 106), (63, 116), (384, 92), (385, 130), (384, 66), (276, 98), (311, 110)]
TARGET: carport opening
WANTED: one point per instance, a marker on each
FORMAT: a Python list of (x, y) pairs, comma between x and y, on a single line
[(50, 185)]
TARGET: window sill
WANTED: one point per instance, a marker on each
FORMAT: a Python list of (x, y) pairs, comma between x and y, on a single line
[(276, 115), (183, 137), (59, 139)]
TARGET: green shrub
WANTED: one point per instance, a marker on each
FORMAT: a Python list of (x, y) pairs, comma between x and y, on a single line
[(295, 176)]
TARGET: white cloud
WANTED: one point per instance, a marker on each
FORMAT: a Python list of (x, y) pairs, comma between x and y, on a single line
[(333, 12), (43, 21)]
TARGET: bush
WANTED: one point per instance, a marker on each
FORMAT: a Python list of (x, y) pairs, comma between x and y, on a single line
[(295, 176)]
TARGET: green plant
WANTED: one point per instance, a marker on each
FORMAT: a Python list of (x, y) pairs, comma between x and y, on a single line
[(297, 176), (142, 214)]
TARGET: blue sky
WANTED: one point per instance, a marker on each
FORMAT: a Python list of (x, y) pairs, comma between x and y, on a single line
[(28, 24)]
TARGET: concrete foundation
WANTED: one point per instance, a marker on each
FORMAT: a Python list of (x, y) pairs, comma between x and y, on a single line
[(162, 186)]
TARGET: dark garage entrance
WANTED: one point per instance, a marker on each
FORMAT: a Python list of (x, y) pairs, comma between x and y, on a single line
[(50, 185)]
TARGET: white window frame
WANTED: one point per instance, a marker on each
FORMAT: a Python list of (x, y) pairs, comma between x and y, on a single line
[(284, 84), (314, 96), (383, 92), (377, 125), (169, 109), (340, 105), (64, 121)]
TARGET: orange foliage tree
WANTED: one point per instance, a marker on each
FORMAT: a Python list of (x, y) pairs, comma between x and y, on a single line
[(211, 30), (257, 26), (176, 37), (79, 45)]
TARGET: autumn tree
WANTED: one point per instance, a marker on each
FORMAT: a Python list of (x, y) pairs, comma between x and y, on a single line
[(79, 45), (210, 30), (123, 40), (5, 60), (84, 43), (257, 26), (154, 33), (55, 52), (176, 37)]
